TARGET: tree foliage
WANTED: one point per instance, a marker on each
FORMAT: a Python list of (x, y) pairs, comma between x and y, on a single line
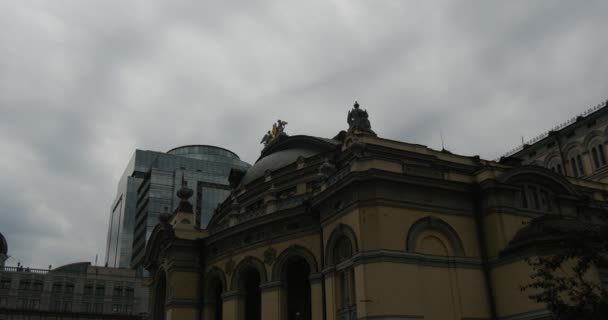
[(561, 277)]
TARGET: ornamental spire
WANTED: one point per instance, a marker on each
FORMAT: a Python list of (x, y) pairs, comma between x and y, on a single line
[(184, 193)]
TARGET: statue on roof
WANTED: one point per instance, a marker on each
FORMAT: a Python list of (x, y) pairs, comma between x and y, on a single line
[(278, 129), (267, 138), (358, 120)]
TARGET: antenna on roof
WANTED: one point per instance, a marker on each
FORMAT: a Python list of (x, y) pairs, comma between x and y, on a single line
[(441, 137), (522, 140), (96, 258)]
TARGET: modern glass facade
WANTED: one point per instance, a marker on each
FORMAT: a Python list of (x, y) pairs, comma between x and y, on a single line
[(148, 186)]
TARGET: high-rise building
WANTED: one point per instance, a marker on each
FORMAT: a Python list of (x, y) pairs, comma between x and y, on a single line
[(3, 250), (147, 187)]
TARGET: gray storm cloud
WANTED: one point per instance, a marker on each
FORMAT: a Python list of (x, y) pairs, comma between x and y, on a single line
[(84, 83)]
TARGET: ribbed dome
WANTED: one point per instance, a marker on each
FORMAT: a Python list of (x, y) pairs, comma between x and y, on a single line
[(3, 245), (286, 152)]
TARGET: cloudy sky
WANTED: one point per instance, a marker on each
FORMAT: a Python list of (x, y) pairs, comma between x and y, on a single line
[(85, 83)]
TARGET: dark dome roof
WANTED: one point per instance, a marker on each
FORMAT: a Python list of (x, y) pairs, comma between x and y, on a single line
[(285, 152), (77, 267), (3, 245), (549, 231)]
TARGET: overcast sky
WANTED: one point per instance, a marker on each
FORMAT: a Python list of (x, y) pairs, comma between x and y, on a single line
[(85, 83)]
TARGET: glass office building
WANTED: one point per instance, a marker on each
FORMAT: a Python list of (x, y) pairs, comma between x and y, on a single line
[(148, 186)]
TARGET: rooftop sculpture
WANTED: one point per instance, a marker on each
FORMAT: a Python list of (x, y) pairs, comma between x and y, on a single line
[(358, 120), (278, 129)]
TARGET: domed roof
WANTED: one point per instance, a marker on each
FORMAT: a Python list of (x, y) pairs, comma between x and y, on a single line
[(3, 245), (552, 230), (285, 152)]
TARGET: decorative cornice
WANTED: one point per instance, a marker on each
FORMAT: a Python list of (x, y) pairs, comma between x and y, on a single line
[(375, 256)]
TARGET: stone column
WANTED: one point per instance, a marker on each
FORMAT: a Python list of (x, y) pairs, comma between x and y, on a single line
[(182, 295), (330, 294), (316, 296), (274, 300), (233, 305), (209, 309)]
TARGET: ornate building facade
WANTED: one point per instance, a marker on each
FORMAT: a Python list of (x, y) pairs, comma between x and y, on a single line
[(575, 149), (361, 227)]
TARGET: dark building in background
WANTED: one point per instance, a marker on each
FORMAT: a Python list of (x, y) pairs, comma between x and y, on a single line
[(148, 186), (3, 250), (73, 291), (575, 148)]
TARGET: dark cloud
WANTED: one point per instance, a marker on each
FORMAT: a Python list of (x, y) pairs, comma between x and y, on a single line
[(82, 84)]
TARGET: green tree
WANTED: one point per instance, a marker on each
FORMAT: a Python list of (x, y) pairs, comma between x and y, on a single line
[(571, 247)]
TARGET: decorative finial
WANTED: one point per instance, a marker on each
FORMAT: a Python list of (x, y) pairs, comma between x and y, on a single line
[(184, 193), (358, 121)]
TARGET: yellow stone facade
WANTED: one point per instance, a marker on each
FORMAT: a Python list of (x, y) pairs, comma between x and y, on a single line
[(361, 227)]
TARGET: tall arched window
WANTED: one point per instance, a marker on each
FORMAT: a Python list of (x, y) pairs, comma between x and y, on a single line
[(345, 276), (253, 296), (596, 148), (293, 268), (299, 302), (576, 163), (250, 273), (341, 248), (555, 165), (215, 287)]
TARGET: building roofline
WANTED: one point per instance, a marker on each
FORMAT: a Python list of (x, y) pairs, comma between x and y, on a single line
[(572, 122), (204, 145)]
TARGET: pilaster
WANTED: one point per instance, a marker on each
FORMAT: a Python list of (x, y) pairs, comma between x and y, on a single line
[(274, 300)]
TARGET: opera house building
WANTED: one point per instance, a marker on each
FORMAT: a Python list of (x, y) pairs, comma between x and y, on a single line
[(361, 227)]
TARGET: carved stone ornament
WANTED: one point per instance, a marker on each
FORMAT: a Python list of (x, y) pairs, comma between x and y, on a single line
[(270, 255), (327, 168), (357, 148), (229, 267)]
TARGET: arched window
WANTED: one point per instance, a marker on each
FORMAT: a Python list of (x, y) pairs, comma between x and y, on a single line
[(341, 247), (247, 278), (345, 297), (215, 287), (536, 197), (253, 296), (555, 165), (596, 148), (434, 236), (293, 268), (299, 303), (576, 163)]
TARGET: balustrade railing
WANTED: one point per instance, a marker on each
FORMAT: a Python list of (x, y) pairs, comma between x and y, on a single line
[(24, 269)]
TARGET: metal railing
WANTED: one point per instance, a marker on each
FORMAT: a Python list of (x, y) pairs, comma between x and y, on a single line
[(24, 269), (556, 128)]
